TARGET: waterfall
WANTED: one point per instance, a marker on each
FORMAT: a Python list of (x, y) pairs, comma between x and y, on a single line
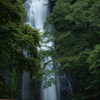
[(37, 11), (65, 88), (57, 78), (25, 83), (50, 92)]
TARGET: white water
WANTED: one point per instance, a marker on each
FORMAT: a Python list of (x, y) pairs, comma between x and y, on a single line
[(50, 92), (37, 11)]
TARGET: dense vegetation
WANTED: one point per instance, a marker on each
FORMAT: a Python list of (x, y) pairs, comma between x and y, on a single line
[(14, 39), (76, 38)]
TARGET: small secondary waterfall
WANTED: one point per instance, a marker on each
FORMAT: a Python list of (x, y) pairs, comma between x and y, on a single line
[(25, 83), (63, 87)]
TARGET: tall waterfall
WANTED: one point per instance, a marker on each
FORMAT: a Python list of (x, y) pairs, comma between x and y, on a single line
[(37, 11), (50, 92)]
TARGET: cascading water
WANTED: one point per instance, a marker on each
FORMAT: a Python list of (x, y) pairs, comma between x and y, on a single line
[(37, 11), (25, 83), (50, 92)]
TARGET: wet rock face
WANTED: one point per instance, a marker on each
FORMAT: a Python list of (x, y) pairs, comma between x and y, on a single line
[(68, 85), (66, 88), (19, 86), (24, 1)]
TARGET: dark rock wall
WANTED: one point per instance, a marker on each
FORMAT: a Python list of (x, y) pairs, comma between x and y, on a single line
[(74, 82), (19, 86), (24, 1), (34, 92), (68, 85), (61, 81)]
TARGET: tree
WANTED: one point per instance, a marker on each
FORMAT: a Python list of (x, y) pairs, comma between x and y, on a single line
[(94, 61), (77, 26), (14, 37)]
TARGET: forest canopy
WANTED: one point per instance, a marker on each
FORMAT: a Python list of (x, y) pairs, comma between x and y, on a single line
[(76, 37)]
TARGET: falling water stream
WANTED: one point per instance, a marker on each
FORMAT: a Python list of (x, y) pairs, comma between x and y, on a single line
[(37, 11)]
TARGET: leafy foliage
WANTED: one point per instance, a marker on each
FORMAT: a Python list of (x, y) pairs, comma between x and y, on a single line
[(76, 32), (94, 61), (16, 38)]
